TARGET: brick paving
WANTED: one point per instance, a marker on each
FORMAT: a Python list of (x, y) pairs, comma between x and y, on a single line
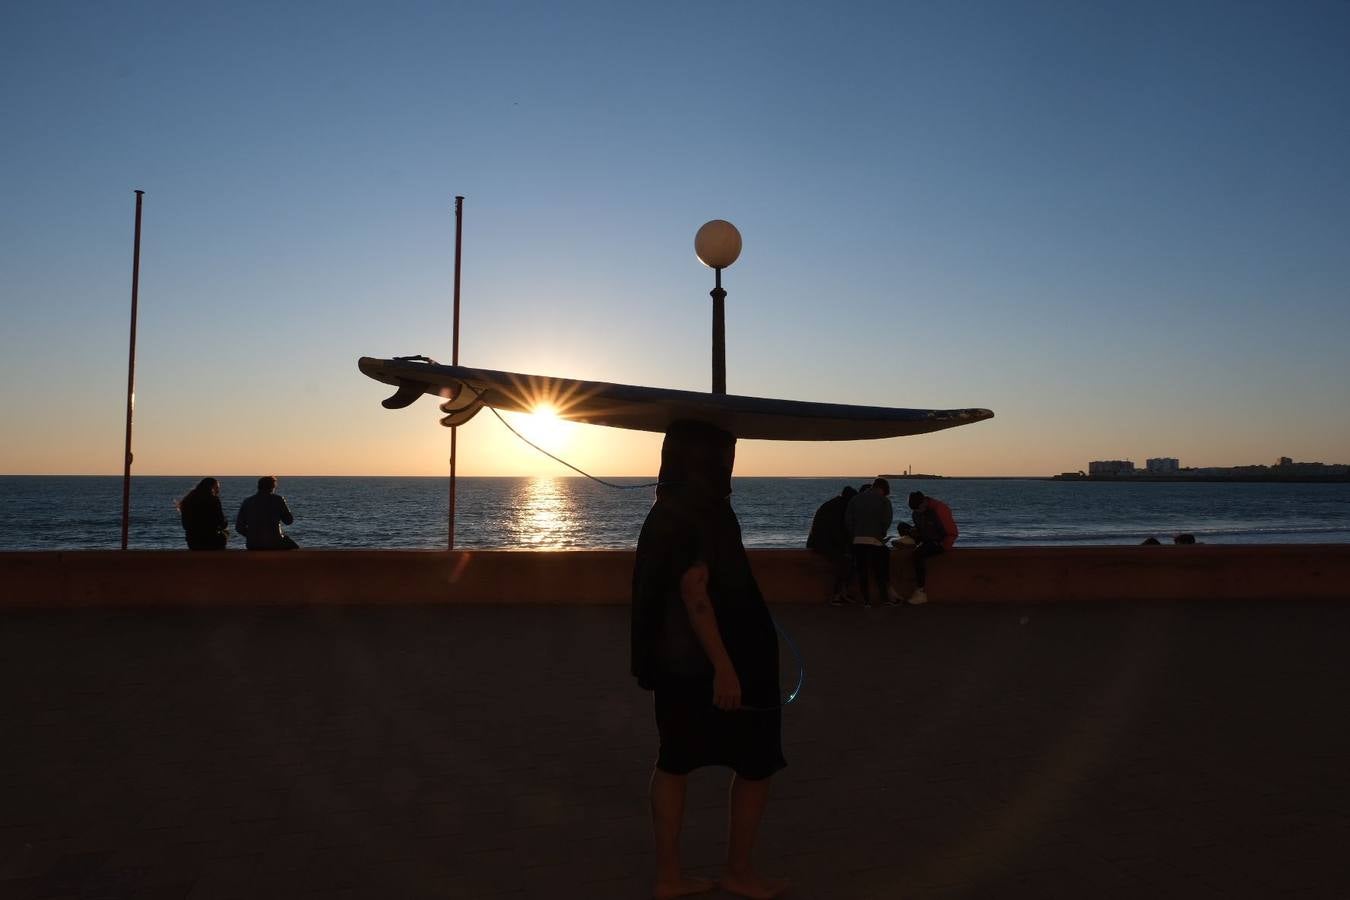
[(943, 752)]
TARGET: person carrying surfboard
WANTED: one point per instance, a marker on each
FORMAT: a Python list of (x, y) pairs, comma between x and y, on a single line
[(933, 532), (704, 643)]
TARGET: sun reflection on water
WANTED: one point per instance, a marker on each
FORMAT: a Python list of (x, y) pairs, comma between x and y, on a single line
[(543, 515)]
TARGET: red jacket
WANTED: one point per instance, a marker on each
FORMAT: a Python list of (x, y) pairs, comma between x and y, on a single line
[(944, 514)]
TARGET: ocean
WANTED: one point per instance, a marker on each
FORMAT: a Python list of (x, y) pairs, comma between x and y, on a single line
[(543, 513)]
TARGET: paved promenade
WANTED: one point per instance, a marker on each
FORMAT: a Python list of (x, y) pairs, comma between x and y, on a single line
[(1125, 751)]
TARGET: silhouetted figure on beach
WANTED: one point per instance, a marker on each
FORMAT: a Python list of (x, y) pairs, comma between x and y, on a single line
[(204, 524), (261, 516), (703, 641), (933, 532), (868, 518), (830, 538), (1184, 539)]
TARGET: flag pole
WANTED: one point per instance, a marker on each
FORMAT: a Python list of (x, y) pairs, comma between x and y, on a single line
[(454, 359), (131, 374)]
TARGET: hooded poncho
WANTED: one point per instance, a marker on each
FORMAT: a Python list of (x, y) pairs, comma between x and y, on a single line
[(692, 522)]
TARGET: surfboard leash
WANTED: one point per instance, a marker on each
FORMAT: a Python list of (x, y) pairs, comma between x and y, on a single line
[(558, 459), (801, 672)]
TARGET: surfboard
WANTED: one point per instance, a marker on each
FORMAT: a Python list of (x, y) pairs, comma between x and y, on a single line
[(467, 390)]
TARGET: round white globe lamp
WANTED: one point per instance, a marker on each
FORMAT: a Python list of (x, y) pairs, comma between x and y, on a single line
[(718, 245)]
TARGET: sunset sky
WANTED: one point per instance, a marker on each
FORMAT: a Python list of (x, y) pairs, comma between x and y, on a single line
[(1125, 228)]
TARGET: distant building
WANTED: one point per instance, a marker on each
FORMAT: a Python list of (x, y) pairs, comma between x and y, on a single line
[(1286, 469)]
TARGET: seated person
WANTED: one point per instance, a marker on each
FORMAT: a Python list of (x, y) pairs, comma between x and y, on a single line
[(261, 516), (829, 537), (933, 532), (204, 524)]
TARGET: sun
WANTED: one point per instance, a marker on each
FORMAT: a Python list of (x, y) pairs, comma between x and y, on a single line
[(543, 426)]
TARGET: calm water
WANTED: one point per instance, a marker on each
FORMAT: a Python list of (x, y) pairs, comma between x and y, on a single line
[(59, 512)]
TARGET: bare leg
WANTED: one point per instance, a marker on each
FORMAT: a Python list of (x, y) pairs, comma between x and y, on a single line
[(667, 794), (745, 809)]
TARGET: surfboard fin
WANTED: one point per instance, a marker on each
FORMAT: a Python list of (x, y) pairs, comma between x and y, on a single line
[(460, 407), (408, 391), (462, 414)]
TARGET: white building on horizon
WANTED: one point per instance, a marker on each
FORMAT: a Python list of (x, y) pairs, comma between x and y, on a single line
[(1162, 465)]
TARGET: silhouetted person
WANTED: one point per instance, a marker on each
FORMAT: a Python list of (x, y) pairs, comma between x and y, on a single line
[(1151, 542), (204, 524), (703, 641), (261, 516), (830, 538), (1184, 539), (868, 518), (933, 532)]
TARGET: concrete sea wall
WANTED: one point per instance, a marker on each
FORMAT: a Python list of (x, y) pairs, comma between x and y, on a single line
[(112, 579)]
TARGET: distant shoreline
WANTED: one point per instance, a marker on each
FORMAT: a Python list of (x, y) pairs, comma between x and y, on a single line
[(1253, 479)]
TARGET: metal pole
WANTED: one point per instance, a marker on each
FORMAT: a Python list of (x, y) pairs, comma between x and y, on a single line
[(719, 337), (131, 374), (454, 358)]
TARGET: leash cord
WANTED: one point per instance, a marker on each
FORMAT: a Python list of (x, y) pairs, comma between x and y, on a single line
[(801, 674), (558, 459)]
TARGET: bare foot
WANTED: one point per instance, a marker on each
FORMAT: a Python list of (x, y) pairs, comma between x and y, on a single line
[(754, 887), (666, 890)]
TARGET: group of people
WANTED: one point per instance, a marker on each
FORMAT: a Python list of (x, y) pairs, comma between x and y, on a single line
[(852, 532), (259, 519)]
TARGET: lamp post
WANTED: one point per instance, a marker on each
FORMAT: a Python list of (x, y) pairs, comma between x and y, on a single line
[(717, 245)]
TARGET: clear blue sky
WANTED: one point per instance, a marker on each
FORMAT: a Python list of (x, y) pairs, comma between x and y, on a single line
[(1125, 228)]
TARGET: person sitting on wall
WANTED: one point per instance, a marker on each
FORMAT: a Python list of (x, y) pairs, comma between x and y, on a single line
[(261, 516), (830, 538), (933, 532), (204, 525)]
